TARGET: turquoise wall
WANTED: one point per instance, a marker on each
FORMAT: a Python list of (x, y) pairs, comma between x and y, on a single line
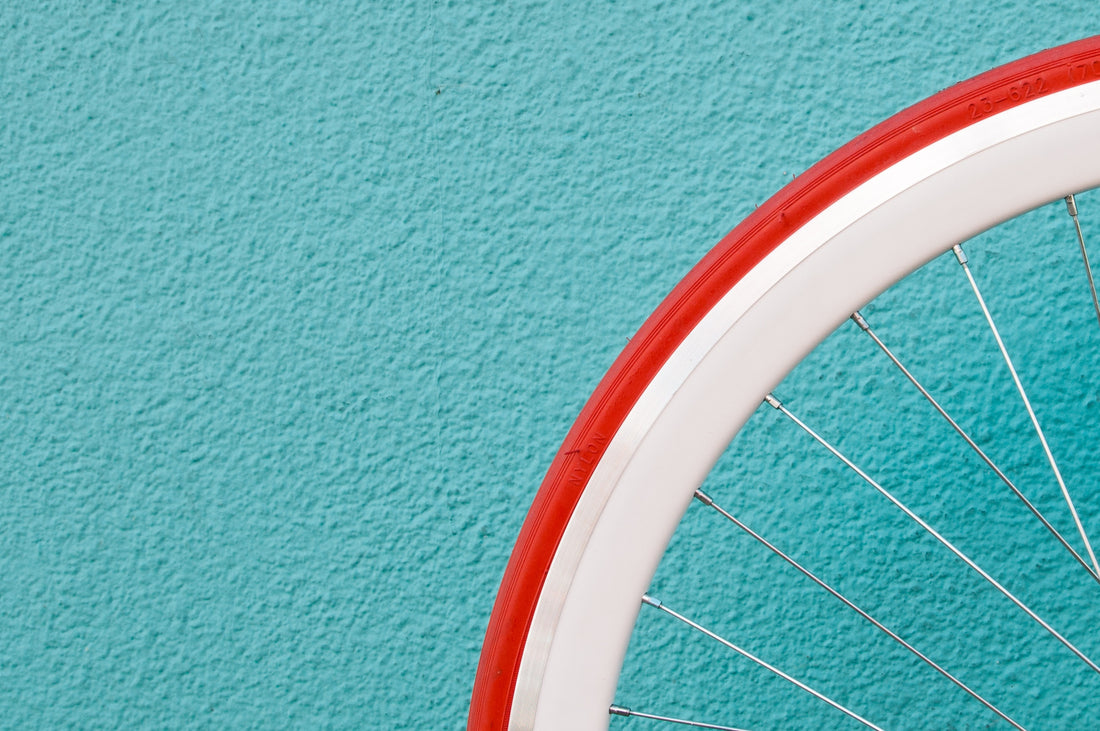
[(299, 300)]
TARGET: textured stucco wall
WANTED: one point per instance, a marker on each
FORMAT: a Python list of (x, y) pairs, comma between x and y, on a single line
[(297, 301)]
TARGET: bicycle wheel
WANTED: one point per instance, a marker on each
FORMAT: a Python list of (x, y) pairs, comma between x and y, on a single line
[(934, 175)]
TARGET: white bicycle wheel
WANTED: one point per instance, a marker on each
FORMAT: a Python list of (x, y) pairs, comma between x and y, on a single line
[(934, 175)]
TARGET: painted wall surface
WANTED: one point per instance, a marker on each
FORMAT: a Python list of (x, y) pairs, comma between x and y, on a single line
[(297, 301)]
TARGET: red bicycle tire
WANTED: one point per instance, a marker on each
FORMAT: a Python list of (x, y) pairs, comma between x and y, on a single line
[(726, 264)]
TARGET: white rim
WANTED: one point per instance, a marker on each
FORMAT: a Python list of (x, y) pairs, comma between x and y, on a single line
[(887, 227)]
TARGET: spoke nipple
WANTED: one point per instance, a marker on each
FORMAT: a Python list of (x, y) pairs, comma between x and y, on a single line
[(1071, 205), (858, 319), (647, 599), (703, 498), (959, 254), (618, 711), (772, 401)]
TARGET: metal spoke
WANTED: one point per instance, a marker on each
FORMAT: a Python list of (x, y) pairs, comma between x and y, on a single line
[(1071, 206), (621, 711), (1027, 403), (774, 402), (862, 323), (706, 500), (651, 601)]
